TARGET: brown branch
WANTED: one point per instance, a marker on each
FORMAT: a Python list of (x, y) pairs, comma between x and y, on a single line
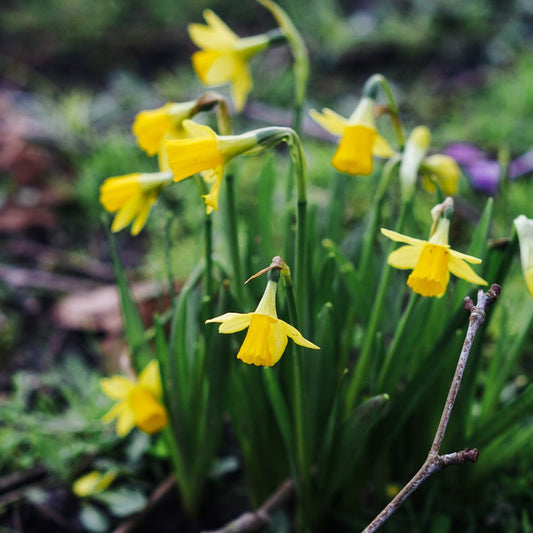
[(254, 520), (435, 462), (159, 493)]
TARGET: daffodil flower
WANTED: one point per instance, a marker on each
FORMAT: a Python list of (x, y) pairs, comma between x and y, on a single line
[(152, 126), (132, 197), (524, 229), (442, 169), (267, 335), (139, 402), (359, 139), (432, 261), (224, 56), (203, 151), (436, 169), (93, 483)]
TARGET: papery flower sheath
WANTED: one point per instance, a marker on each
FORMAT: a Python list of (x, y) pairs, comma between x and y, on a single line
[(359, 139), (132, 197), (139, 401), (433, 260), (224, 56), (204, 150), (415, 150), (267, 335), (524, 229)]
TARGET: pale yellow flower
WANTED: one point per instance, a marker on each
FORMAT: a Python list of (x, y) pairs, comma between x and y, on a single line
[(442, 169), (359, 139), (203, 151), (132, 197), (267, 335), (139, 402), (432, 261), (93, 483), (224, 56), (524, 229), (415, 151)]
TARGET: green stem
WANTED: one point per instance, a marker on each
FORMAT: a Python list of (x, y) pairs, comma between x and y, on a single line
[(370, 89), (233, 240), (372, 230), (168, 260), (362, 367), (208, 248), (396, 341)]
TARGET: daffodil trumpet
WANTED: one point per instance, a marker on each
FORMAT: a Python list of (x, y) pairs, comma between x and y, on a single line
[(433, 260), (267, 335)]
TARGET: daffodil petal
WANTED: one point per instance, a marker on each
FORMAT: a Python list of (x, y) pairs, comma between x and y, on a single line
[(297, 337), (241, 85), (405, 257), (381, 147), (212, 67), (141, 218), (465, 257), (232, 322), (125, 422), (219, 26), (114, 412), (399, 237), (150, 378), (462, 270), (330, 121), (127, 213), (116, 387)]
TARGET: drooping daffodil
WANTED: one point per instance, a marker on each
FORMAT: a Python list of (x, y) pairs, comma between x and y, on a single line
[(359, 138), (433, 260), (224, 56), (139, 401), (203, 150), (267, 335), (132, 196), (524, 229)]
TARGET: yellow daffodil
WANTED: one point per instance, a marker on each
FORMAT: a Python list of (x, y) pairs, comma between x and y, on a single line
[(132, 195), (204, 150), (432, 260), (224, 56), (151, 127), (416, 149), (359, 139), (267, 335), (139, 402), (93, 483), (443, 170), (524, 229)]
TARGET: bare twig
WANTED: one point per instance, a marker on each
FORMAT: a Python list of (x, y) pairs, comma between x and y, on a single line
[(159, 493), (254, 520), (434, 461)]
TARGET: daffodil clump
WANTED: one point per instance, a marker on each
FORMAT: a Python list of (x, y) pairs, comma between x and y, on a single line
[(433, 260)]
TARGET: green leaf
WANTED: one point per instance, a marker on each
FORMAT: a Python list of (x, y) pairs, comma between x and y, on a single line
[(93, 519), (123, 502)]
